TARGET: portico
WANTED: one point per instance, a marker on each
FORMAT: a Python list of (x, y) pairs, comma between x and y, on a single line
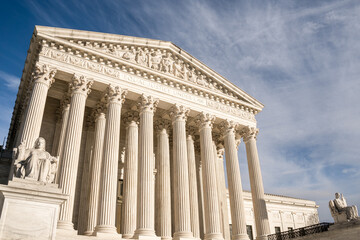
[(91, 95)]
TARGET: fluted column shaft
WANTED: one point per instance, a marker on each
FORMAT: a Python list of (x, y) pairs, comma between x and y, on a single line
[(193, 189), (145, 202), (109, 173), (163, 226), (85, 180), (256, 184), (181, 178), (43, 78), (95, 173), (211, 205), (130, 180), (220, 172), (70, 158), (238, 217), (65, 105)]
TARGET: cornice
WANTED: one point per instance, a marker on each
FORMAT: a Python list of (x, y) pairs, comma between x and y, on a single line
[(103, 42)]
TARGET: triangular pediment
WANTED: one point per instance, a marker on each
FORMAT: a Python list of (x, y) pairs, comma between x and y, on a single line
[(157, 56)]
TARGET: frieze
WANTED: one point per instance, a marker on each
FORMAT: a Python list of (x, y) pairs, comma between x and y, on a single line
[(159, 60), (170, 89)]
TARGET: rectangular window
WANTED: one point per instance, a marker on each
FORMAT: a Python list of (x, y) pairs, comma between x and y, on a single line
[(249, 232), (277, 230)]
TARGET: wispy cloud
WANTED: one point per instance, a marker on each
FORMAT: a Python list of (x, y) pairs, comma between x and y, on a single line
[(11, 81), (300, 58)]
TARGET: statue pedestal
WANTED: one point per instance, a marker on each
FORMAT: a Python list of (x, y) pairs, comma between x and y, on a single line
[(29, 209)]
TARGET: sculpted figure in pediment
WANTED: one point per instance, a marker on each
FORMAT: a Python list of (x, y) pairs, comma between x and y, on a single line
[(167, 63), (130, 55), (35, 163), (201, 80), (141, 57), (155, 59), (178, 68)]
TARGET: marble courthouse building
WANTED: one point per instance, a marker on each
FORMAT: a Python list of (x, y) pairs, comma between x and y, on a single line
[(141, 130)]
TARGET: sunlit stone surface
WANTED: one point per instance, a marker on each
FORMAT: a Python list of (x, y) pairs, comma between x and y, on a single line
[(91, 95)]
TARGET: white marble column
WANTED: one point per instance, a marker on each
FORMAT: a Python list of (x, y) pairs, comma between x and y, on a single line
[(238, 217), (80, 88), (42, 80), (128, 223), (85, 178), (109, 172), (56, 136), (193, 189), (95, 168), (222, 193), (211, 205), (163, 182), (65, 106), (145, 202), (256, 184), (181, 178)]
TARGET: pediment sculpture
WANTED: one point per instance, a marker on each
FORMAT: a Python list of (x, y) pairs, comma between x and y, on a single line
[(35, 163), (340, 211)]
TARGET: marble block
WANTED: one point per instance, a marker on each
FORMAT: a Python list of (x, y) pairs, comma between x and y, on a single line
[(29, 209)]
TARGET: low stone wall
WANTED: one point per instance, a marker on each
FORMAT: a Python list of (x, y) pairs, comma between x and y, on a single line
[(343, 231)]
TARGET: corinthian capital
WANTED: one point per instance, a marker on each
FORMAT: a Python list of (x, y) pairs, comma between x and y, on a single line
[(80, 84), (115, 94), (44, 74), (179, 112), (249, 133), (130, 116), (148, 103), (161, 124), (99, 109), (205, 120), (228, 127)]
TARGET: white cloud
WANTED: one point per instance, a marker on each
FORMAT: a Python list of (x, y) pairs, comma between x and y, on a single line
[(301, 60), (11, 81)]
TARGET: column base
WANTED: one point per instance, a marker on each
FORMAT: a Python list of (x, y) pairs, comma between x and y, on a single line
[(240, 237), (65, 225), (213, 236), (105, 231), (183, 236), (89, 233), (145, 234), (263, 237), (112, 236), (127, 236), (166, 238)]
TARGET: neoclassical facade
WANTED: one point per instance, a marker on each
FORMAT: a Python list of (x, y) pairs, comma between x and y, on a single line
[(139, 126)]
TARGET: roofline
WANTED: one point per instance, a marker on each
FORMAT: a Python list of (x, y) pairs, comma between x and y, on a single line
[(99, 36)]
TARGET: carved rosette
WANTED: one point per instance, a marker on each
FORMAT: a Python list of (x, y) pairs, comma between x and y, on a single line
[(44, 74), (179, 112), (131, 116), (249, 133), (148, 103), (162, 124), (205, 120), (80, 84), (115, 94)]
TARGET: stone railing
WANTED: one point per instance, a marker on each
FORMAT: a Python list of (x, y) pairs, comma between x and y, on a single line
[(299, 232)]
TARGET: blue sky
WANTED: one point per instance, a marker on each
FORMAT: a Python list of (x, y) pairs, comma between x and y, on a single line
[(300, 58)]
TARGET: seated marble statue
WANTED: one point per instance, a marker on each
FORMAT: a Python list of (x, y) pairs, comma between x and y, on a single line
[(35, 163), (340, 211)]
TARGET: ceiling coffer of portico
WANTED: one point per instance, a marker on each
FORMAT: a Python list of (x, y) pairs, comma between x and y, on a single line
[(151, 56)]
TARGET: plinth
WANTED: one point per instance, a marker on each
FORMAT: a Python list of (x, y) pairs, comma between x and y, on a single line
[(29, 209)]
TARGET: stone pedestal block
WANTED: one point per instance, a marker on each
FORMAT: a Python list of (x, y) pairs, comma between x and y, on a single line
[(29, 209)]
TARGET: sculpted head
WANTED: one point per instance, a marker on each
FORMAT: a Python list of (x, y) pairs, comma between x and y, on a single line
[(337, 195), (40, 143)]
